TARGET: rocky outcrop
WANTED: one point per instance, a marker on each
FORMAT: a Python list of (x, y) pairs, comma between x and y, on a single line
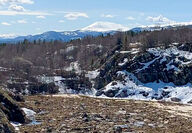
[(169, 65), (10, 111), (108, 71), (5, 126), (11, 108), (161, 74), (32, 88)]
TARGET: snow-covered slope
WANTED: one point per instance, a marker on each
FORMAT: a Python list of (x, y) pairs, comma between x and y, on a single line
[(132, 88), (158, 74), (7, 36), (105, 27), (163, 26)]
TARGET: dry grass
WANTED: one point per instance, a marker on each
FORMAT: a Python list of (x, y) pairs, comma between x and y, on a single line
[(85, 114)]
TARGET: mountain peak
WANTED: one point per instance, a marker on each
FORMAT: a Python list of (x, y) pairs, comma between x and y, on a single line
[(7, 36), (101, 26)]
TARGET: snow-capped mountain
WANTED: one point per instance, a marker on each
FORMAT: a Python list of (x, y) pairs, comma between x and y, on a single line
[(7, 36), (105, 27), (163, 26), (95, 29), (53, 35)]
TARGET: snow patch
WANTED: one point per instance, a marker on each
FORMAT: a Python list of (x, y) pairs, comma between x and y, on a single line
[(70, 48), (31, 115), (105, 26), (74, 66), (124, 62), (92, 74), (16, 125), (139, 91)]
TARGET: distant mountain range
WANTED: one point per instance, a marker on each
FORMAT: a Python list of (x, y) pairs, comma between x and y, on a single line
[(53, 35), (94, 29), (160, 27)]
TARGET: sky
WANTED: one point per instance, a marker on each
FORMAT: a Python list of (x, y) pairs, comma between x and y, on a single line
[(24, 17)]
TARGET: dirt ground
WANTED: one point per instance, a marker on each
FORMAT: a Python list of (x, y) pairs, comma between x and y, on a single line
[(81, 114)]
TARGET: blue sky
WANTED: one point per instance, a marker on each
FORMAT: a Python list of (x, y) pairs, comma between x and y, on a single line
[(23, 17)]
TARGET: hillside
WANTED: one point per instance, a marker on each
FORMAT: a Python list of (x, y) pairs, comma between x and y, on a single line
[(115, 69), (125, 65)]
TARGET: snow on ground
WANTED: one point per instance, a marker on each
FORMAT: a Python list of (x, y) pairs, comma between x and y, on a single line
[(135, 89), (124, 62), (184, 93), (47, 79), (146, 65), (92, 74), (132, 51), (31, 115), (70, 48), (74, 66), (170, 52), (15, 125), (2, 69)]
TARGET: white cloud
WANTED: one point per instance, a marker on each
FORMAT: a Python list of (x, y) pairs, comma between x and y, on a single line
[(22, 21), (31, 13), (25, 1), (16, 8), (61, 21), (75, 15), (107, 16), (159, 19), (41, 17), (5, 23), (130, 18), (4, 2)]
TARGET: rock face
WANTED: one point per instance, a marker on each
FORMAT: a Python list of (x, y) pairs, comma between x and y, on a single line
[(9, 111), (171, 66), (33, 87), (50, 84)]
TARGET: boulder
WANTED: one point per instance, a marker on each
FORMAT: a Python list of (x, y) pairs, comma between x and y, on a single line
[(111, 93), (174, 99), (99, 93), (190, 102), (11, 108)]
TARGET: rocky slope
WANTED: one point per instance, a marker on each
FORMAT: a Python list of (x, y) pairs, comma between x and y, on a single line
[(158, 73), (155, 74), (10, 111)]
